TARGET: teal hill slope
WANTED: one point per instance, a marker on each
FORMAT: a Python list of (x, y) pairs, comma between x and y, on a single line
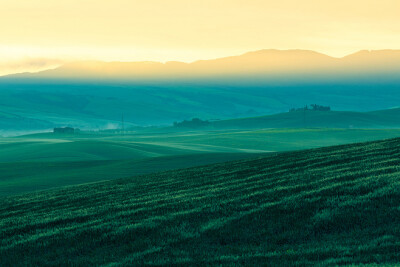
[(326, 119), (21, 123), (94, 95), (329, 206)]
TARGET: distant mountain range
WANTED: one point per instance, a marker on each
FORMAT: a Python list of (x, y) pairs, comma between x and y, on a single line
[(95, 95), (269, 64)]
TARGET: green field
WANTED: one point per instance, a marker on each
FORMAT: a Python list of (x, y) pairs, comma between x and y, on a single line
[(42, 161), (328, 206), (389, 118)]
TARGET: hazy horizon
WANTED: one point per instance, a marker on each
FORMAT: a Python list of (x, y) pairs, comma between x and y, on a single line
[(34, 65), (37, 65), (177, 30)]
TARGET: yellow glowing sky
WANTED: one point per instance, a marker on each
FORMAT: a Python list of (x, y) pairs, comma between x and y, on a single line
[(187, 30)]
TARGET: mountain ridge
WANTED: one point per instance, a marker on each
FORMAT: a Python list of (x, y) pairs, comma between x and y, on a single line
[(266, 61)]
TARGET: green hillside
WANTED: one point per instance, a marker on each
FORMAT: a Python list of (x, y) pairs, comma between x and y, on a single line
[(332, 119), (42, 161), (22, 177), (334, 205), (138, 145)]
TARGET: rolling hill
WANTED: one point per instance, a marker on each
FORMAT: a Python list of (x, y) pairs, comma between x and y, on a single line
[(327, 206), (326, 119), (95, 95), (42, 161)]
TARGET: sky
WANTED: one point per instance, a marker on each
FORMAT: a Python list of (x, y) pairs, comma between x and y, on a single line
[(188, 30)]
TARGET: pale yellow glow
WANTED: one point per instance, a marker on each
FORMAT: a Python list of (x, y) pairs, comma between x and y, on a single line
[(187, 30)]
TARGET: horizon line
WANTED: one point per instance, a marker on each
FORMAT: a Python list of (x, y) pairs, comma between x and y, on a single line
[(64, 62)]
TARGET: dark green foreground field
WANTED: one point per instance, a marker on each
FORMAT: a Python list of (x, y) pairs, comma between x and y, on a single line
[(42, 161), (334, 205)]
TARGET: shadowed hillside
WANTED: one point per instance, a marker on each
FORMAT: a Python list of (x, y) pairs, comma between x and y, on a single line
[(334, 205)]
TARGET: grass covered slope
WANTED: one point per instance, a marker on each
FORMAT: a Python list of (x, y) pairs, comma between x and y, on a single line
[(334, 205), (43, 161), (23, 177), (389, 118)]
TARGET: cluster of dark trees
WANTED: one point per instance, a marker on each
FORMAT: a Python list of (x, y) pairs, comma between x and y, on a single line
[(194, 123), (66, 130), (313, 107)]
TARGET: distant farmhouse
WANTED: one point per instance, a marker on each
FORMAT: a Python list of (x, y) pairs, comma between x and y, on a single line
[(65, 130), (314, 107)]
